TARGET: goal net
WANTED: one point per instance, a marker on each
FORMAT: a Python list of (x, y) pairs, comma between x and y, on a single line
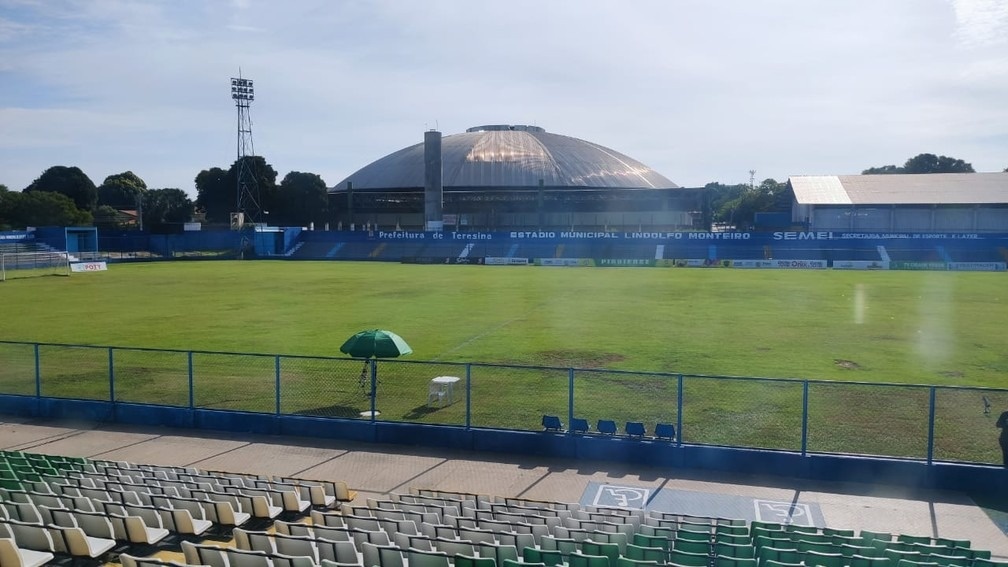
[(33, 264)]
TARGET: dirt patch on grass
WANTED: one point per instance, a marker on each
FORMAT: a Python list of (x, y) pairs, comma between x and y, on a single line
[(579, 359), (847, 364), (952, 373)]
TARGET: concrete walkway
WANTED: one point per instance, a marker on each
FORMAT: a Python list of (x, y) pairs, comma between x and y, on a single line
[(377, 470)]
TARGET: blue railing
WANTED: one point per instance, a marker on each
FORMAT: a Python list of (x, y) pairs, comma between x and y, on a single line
[(919, 422)]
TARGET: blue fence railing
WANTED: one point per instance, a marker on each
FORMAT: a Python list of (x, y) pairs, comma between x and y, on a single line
[(928, 423)]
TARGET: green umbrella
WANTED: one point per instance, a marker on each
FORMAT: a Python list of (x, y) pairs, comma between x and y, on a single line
[(375, 343)]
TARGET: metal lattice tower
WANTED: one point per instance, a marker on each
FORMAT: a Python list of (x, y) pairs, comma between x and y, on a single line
[(247, 205)]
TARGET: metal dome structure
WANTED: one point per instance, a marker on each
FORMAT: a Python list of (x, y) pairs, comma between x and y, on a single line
[(513, 156), (513, 177)]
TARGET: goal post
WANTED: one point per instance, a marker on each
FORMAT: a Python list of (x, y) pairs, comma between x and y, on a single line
[(34, 264)]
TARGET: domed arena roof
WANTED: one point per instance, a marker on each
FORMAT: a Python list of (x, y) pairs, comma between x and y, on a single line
[(510, 156)]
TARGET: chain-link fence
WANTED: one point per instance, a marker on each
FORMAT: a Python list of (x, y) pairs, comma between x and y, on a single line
[(625, 396), (742, 412), (238, 382), (421, 392), (965, 424), (79, 372), (323, 387), (847, 418), (151, 376), (516, 397), (17, 368), (868, 419)]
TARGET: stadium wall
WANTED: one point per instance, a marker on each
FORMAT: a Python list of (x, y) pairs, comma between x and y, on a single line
[(930, 452), (838, 468), (779, 249)]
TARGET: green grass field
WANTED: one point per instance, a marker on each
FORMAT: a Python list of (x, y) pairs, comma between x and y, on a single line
[(935, 328), (905, 327)]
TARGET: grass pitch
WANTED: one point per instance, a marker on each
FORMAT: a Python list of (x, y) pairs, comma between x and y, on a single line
[(939, 328), (904, 327)]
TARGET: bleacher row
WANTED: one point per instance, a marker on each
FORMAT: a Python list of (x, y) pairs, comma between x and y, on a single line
[(312, 246), (61, 507)]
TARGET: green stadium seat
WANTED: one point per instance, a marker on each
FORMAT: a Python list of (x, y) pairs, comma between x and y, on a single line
[(646, 553), (862, 561), (724, 561), (687, 559), (582, 560), (692, 546), (726, 549), (820, 559)]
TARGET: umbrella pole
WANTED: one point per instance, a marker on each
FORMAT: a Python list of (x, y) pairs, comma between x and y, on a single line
[(365, 382)]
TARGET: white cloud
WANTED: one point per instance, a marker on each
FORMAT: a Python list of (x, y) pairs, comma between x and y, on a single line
[(981, 23), (700, 91)]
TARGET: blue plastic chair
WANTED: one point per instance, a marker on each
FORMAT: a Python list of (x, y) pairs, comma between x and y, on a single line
[(665, 431), (635, 429), (579, 425), (552, 423), (606, 427)]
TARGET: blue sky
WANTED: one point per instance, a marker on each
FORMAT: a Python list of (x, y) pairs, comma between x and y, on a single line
[(699, 90)]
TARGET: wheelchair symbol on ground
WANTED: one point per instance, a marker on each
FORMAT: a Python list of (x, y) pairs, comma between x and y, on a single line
[(615, 496), (783, 512)]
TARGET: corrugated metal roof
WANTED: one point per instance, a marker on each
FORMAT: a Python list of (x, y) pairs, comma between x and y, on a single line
[(819, 190), (517, 156), (919, 189)]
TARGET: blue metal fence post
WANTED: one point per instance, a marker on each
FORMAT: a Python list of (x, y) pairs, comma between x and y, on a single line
[(468, 419), (374, 388), (679, 406), (38, 372), (111, 375), (931, 420), (192, 388), (570, 398), (804, 418), (276, 364)]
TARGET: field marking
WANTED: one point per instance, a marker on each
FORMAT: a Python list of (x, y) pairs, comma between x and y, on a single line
[(479, 336)]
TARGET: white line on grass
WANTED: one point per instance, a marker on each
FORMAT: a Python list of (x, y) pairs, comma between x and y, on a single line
[(477, 337)]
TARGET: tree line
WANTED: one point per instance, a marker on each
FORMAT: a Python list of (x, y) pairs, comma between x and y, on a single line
[(65, 196)]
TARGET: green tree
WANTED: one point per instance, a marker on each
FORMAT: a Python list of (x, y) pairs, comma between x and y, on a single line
[(721, 202), (165, 210), (214, 196), (930, 163), (924, 163), (69, 181), (217, 190), (40, 208), (883, 170), (301, 199), (121, 191)]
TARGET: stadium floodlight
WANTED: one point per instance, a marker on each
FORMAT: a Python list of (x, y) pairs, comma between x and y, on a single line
[(242, 89)]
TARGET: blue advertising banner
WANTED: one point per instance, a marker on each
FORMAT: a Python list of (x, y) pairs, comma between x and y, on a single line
[(713, 237)]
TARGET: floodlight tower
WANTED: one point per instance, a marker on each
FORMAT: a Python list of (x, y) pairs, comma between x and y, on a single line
[(247, 207)]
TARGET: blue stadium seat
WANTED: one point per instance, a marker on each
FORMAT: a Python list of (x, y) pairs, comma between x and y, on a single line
[(552, 423), (635, 429), (606, 427), (665, 431), (579, 425)]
